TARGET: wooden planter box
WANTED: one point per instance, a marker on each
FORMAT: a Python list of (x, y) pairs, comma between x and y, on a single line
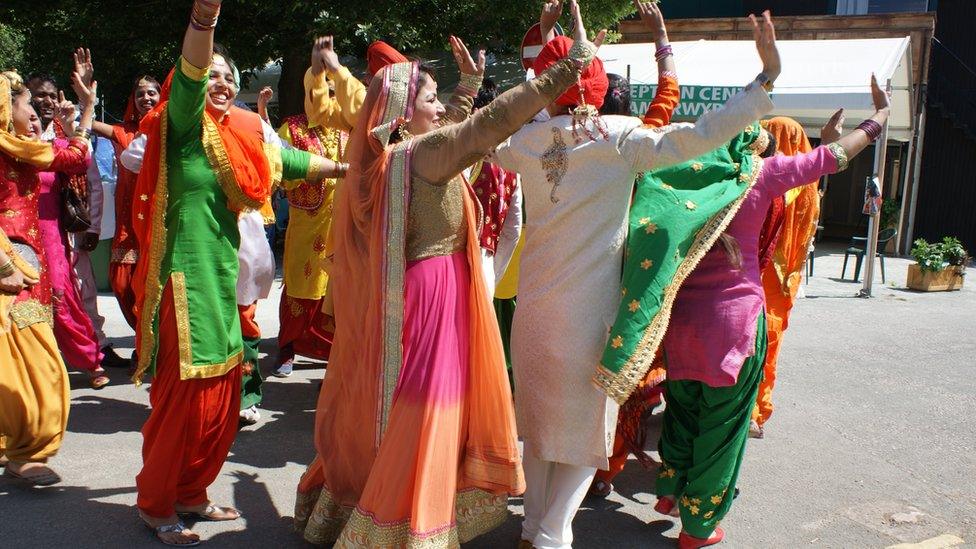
[(941, 281)]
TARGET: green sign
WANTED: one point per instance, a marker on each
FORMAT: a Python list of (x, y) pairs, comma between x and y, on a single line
[(695, 100)]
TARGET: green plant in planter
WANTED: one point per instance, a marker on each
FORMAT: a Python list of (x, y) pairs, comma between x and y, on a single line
[(938, 255)]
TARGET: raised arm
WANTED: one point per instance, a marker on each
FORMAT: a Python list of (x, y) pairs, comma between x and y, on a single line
[(648, 149), (868, 131), (264, 97), (458, 109), (187, 99), (86, 73), (443, 153), (551, 12), (321, 108), (668, 92)]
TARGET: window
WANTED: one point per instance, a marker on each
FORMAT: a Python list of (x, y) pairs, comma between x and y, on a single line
[(861, 7)]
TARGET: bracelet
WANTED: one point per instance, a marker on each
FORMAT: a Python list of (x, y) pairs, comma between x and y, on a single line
[(664, 52), (7, 269), (83, 133), (341, 170), (872, 128), (211, 5), (765, 82)]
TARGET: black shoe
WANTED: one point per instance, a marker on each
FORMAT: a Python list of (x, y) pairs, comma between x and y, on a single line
[(112, 359)]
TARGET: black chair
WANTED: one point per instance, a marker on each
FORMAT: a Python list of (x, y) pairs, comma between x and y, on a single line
[(810, 258), (858, 248)]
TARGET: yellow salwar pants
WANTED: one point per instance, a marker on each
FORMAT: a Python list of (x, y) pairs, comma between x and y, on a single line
[(34, 394)]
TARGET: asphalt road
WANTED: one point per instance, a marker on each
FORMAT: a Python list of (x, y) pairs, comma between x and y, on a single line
[(871, 445)]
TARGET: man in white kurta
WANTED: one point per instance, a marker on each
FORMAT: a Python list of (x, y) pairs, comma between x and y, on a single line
[(578, 196)]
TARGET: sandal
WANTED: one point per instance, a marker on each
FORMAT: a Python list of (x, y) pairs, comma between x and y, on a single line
[(98, 381), (600, 489), (179, 529), (667, 506), (687, 541), (44, 476), (212, 514)]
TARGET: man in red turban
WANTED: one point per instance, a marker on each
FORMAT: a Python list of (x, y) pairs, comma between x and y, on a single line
[(593, 80), (380, 54)]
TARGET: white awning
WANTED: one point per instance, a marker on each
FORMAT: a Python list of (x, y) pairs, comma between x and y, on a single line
[(819, 77)]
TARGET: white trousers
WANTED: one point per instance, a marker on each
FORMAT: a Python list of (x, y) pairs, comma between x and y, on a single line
[(553, 494)]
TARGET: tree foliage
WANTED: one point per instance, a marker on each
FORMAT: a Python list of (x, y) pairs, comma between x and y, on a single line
[(11, 47), (128, 38)]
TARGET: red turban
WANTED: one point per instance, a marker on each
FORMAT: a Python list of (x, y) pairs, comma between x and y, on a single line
[(380, 54), (593, 81)]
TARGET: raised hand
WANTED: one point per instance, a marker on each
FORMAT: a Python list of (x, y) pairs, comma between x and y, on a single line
[(86, 91), (653, 19), (83, 65), (579, 29), (324, 57), (765, 35), (880, 96), (264, 97), (551, 12), (64, 112), (833, 129), (466, 64)]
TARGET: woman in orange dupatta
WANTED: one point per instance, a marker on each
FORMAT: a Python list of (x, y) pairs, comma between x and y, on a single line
[(781, 276), (415, 427)]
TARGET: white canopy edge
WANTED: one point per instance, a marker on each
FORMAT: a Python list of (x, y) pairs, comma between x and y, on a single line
[(819, 76)]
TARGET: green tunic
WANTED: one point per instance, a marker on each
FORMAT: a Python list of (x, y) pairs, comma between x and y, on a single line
[(202, 238)]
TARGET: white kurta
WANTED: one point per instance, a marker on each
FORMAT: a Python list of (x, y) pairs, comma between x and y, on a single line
[(577, 198)]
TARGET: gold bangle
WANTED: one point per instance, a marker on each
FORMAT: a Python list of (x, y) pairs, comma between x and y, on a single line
[(7, 269)]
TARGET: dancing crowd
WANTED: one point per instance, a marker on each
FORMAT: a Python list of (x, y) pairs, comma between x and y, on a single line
[(536, 265)]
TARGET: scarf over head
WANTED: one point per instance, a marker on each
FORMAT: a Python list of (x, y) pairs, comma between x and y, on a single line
[(801, 212), (593, 81), (35, 153), (380, 54)]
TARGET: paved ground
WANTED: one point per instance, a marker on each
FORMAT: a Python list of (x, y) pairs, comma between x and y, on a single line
[(872, 443)]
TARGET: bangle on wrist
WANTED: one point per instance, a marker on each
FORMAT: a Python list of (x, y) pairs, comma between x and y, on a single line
[(763, 80), (7, 269), (83, 133), (872, 128), (663, 52)]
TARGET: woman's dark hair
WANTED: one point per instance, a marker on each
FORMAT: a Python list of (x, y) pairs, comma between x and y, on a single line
[(148, 79), (771, 149), (617, 100), (732, 249), (220, 50), (487, 93), (426, 71)]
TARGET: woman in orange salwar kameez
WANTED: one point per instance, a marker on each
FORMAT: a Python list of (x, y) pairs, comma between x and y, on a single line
[(415, 427), (781, 275)]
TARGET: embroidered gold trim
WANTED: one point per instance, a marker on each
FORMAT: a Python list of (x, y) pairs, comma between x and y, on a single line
[(213, 146), (273, 153), (315, 165), (189, 370), (619, 386), (840, 154), (157, 248), (29, 312), (124, 256), (217, 369), (396, 234), (193, 72), (322, 520)]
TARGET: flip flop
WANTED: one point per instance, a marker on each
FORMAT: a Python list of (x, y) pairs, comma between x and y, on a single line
[(45, 476), (178, 528), (210, 514)]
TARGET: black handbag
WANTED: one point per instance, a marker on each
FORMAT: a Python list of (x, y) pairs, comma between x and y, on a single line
[(75, 217)]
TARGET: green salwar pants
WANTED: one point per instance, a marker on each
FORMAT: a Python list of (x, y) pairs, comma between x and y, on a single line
[(251, 380), (703, 441)]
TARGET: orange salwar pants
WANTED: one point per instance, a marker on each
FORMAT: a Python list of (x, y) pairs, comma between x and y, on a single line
[(120, 278), (34, 394), (304, 328), (189, 431), (778, 307)]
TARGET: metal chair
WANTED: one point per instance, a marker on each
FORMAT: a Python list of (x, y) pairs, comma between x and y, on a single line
[(858, 249)]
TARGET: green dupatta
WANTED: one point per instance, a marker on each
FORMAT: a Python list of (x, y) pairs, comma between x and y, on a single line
[(677, 215)]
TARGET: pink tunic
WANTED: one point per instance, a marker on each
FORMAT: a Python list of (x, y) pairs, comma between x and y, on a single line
[(73, 328), (713, 323)]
